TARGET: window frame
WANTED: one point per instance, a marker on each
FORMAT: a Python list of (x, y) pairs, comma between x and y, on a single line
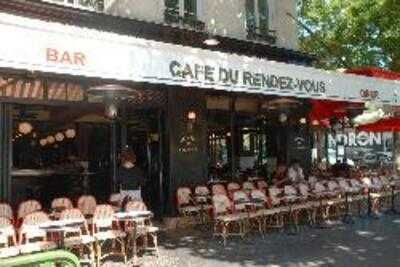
[(257, 33), (183, 17), (76, 4)]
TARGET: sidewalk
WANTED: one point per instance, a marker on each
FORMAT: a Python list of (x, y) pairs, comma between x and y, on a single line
[(369, 242)]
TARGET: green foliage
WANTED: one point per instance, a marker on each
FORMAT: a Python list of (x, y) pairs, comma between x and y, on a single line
[(352, 33)]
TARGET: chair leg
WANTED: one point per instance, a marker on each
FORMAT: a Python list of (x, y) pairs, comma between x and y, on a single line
[(98, 253), (224, 231), (260, 226), (92, 254), (155, 242), (123, 250)]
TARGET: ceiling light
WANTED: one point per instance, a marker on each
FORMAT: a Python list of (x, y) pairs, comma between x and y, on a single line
[(43, 142), (25, 127), (50, 139), (70, 133), (59, 137), (211, 41)]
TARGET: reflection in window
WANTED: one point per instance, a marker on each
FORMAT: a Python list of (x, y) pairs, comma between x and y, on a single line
[(246, 142), (183, 12), (257, 21), (94, 5)]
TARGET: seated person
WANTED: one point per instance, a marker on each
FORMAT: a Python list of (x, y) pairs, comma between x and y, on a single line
[(279, 178), (295, 172)]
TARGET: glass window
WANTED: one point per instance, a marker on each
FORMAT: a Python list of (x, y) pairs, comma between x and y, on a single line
[(190, 10), (172, 11), (175, 10), (263, 16), (250, 15), (84, 4), (257, 16), (246, 142)]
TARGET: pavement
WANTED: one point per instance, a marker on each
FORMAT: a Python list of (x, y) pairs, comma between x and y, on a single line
[(367, 242)]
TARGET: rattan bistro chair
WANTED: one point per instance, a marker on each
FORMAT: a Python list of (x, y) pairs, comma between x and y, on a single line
[(6, 211), (310, 201), (281, 209), (146, 227), (263, 211), (8, 239), (386, 191), (28, 207), (374, 192), (31, 237), (232, 187), (218, 189), (248, 186), (186, 204), (336, 202), (103, 230), (60, 204), (360, 197), (87, 205), (78, 238), (262, 185), (226, 222)]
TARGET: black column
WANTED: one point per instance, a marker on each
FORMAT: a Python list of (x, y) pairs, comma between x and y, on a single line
[(233, 137), (6, 128), (113, 156), (161, 136), (187, 150), (124, 130)]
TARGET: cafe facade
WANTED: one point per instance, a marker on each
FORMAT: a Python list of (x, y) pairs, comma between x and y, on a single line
[(51, 56)]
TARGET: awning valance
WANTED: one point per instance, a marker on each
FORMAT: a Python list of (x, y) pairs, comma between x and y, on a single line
[(37, 45)]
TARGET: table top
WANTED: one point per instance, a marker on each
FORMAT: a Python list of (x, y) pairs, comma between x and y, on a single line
[(60, 224), (133, 215)]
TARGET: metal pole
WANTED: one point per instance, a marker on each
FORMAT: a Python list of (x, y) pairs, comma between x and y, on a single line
[(113, 158), (124, 130)]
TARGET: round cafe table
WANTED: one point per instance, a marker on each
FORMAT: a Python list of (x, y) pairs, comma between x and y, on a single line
[(60, 227), (134, 217)]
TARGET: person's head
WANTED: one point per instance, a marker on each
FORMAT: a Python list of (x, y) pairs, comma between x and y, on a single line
[(295, 163), (128, 158)]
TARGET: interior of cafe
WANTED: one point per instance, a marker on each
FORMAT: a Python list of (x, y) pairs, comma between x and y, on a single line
[(61, 139)]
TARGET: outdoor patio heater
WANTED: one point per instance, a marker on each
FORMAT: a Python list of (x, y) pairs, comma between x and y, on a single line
[(112, 96)]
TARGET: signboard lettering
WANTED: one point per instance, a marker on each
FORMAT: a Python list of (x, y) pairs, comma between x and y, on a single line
[(258, 81), (65, 57), (353, 139)]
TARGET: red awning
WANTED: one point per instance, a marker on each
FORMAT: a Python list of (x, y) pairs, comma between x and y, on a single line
[(384, 125), (375, 72), (323, 110)]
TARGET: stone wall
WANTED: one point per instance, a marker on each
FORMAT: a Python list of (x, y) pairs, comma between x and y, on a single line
[(222, 17)]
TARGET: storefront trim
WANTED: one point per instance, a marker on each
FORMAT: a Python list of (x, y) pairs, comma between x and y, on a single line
[(64, 49)]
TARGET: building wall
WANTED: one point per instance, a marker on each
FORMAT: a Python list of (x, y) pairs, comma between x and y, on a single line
[(146, 10), (284, 25), (222, 17)]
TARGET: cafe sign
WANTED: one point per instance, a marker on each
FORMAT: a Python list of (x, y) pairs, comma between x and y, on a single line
[(355, 139), (36, 45)]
